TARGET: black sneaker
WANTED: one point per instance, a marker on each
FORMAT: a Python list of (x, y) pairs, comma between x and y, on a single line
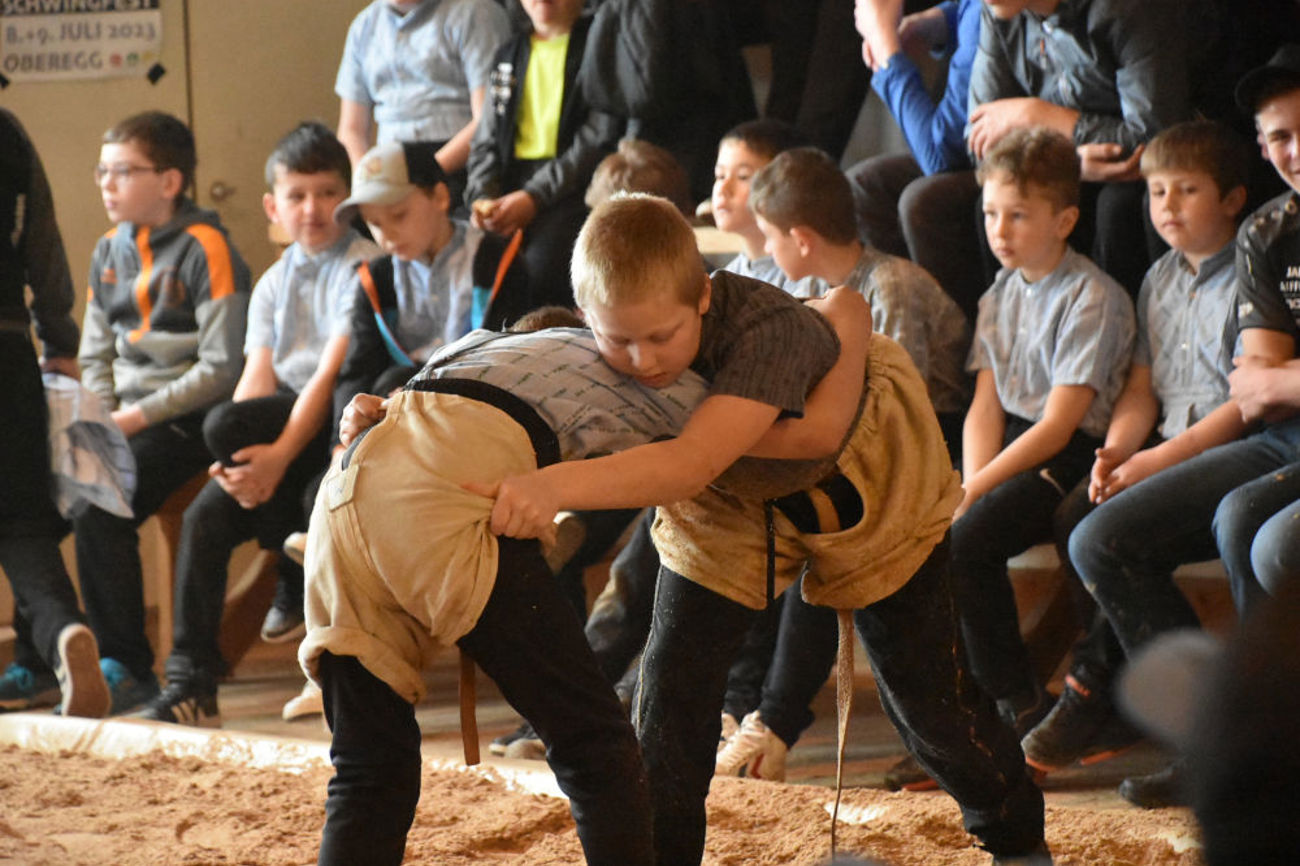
[(285, 620), (499, 745), (81, 682), (907, 775), (183, 702), (1084, 726), (1157, 790)]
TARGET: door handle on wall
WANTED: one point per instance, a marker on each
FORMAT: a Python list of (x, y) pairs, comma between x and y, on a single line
[(220, 191)]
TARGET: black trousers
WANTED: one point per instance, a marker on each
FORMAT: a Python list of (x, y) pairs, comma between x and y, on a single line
[(30, 526), (529, 641)]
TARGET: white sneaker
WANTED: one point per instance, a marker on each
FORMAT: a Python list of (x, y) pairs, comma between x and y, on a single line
[(309, 702), (729, 728), (753, 751), (295, 546)]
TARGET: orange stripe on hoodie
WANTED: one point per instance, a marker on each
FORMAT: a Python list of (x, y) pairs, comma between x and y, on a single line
[(142, 282), (221, 273)]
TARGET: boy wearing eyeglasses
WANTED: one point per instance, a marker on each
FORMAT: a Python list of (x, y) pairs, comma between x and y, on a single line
[(161, 344)]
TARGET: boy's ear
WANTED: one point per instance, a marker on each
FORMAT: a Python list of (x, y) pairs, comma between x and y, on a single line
[(441, 196), (706, 297), (804, 238), (1234, 201), (172, 182), (1066, 218), (268, 205)]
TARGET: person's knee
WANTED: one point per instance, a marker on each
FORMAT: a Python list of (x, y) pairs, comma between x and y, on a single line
[(1275, 553), (221, 430), (1234, 526)]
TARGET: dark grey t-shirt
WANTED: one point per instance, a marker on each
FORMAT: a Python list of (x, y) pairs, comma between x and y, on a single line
[(759, 343)]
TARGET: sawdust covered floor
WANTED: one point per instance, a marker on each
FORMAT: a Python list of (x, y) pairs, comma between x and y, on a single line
[(74, 808)]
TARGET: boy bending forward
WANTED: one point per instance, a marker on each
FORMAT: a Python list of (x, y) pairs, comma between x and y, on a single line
[(400, 562), (863, 493)]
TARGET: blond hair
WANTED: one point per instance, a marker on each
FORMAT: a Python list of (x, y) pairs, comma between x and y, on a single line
[(634, 247)]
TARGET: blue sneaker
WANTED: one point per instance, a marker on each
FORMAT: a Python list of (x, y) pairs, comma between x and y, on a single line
[(20, 689), (128, 692)]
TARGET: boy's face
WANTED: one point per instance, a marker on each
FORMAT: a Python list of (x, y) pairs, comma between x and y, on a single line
[(736, 165), (413, 227), (1278, 121), (785, 249), (1188, 211), (549, 15), (133, 189), (303, 205), (1024, 227), (654, 341)]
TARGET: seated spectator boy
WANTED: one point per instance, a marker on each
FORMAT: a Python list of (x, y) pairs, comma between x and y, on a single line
[(419, 70), (535, 149), (273, 438), (55, 654), (420, 294), (1126, 550), (160, 345), (1052, 345), (874, 455), (1108, 76), (401, 562), (1187, 332)]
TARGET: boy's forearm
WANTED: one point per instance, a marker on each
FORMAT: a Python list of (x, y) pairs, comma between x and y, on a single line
[(1222, 425), (1135, 414), (312, 408), (1042, 441), (258, 378)]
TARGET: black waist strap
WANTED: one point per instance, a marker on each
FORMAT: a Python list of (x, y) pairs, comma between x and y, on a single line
[(545, 444)]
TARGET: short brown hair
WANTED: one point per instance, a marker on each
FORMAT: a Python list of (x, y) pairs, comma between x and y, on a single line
[(541, 318), (1035, 155), (633, 247), (804, 187), (164, 139), (1200, 145), (639, 166)]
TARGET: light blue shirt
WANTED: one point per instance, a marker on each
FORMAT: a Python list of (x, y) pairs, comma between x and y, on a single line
[(1075, 326), (301, 302), (434, 299), (766, 269), (1187, 334), (416, 71)]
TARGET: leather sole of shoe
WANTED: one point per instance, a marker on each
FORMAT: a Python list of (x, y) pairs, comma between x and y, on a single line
[(85, 691), (298, 632)]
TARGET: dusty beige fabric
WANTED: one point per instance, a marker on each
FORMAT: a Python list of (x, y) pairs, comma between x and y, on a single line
[(400, 559), (896, 460)]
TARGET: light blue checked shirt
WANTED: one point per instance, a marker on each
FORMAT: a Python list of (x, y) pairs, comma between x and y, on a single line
[(1075, 326), (1187, 334), (301, 302), (416, 71)]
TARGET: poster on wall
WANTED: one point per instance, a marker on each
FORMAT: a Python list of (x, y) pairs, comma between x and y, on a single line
[(59, 40)]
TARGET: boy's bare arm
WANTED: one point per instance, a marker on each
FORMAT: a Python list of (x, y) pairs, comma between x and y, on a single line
[(355, 127), (263, 465), (721, 430), (1222, 425), (1066, 406), (1132, 421), (1266, 384), (258, 378), (985, 424), (453, 155), (833, 403)]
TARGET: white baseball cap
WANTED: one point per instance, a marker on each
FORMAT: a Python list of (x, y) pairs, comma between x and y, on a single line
[(388, 173)]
